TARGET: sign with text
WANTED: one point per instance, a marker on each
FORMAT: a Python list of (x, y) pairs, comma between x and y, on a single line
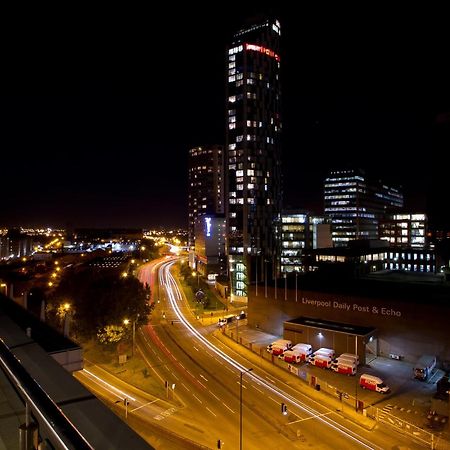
[(353, 307)]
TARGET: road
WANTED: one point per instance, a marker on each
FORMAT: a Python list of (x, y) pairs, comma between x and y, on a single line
[(203, 401), (210, 386)]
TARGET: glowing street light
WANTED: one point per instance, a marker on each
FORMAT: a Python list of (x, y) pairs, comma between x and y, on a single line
[(127, 322)]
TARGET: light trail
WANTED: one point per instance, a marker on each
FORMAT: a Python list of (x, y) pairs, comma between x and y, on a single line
[(175, 297), (114, 389)]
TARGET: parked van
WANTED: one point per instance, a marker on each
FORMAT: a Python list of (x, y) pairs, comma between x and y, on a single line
[(424, 366), (346, 367), (350, 356), (320, 360), (303, 348), (325, 351), (279, 346), (373, 383), (292, 356), (225, 320)]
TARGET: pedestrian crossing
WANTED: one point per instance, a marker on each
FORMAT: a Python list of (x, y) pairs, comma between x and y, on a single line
[(388, 408)]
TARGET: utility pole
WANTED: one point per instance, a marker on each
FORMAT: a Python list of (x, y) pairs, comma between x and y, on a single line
[(240, 407)]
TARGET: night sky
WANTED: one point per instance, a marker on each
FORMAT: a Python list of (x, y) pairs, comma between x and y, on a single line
[(99, 108)]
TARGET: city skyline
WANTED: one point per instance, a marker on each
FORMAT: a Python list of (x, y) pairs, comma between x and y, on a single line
[(100, 134)]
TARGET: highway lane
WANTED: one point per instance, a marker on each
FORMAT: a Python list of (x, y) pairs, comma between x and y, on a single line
[(319, 419), (263, 422)]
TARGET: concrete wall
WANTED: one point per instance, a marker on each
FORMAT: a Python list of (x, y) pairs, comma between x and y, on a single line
[(405, 328)]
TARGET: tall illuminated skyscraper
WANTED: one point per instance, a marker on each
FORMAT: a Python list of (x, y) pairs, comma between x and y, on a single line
[(253, 153), (206, 185)]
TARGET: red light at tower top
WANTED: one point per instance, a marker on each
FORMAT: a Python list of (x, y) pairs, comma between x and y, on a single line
[(261, 49)]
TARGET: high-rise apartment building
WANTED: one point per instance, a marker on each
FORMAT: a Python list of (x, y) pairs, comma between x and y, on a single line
[(206, 186), (253, 129), (355, 204)]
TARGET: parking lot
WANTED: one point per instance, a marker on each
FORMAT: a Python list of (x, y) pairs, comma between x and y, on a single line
[(409, 399)]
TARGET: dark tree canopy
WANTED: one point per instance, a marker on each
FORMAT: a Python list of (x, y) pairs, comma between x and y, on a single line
[(102, 298)]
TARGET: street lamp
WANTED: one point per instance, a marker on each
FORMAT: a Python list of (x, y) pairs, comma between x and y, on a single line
[(126, 322), (198, 280), (240, 406), (66, 308)]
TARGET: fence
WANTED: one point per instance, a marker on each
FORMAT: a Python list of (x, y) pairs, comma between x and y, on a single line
[(347, 399)]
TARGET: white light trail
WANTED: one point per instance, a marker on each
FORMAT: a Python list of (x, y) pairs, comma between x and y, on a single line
[(174, 297)]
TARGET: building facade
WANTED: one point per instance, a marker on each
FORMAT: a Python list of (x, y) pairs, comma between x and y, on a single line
[(253, 129), (300, 231), (404, 230), (356, 204), (210, 233), (206, 186)]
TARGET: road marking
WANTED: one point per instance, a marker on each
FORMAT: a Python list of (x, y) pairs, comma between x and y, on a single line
[(211, 412), (388, 407), (226, 406), (259, 390), (232, 371), (185, 387), (242, 384), (214, 395), (276, 401), (308, 418), (195, 348), (273, 382), (203, 377), (197, 398), (145, 404)]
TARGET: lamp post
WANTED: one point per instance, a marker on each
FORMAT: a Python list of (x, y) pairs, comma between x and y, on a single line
[(198, 280), (265, 278), (240, 407), (126, 322), (66, 308)]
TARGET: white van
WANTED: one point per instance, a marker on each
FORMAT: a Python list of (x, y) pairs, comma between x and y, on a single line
[(325, 351), (346, 367), (303, 348), (292, 356), (279, 346), (373, 383), (320, 360), (350, 356)]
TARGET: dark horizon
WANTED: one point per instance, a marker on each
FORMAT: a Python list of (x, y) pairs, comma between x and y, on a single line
[(97, 122)]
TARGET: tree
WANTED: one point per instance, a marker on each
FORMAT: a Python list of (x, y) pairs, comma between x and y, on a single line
[(101, 299)]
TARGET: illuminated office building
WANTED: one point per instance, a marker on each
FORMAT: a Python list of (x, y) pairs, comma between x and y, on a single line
[(355, 204), (253, 125), (206, 186), (299, 230), (404, 230)]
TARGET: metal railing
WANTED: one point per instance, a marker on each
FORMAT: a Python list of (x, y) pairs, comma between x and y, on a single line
[(47, 413)]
